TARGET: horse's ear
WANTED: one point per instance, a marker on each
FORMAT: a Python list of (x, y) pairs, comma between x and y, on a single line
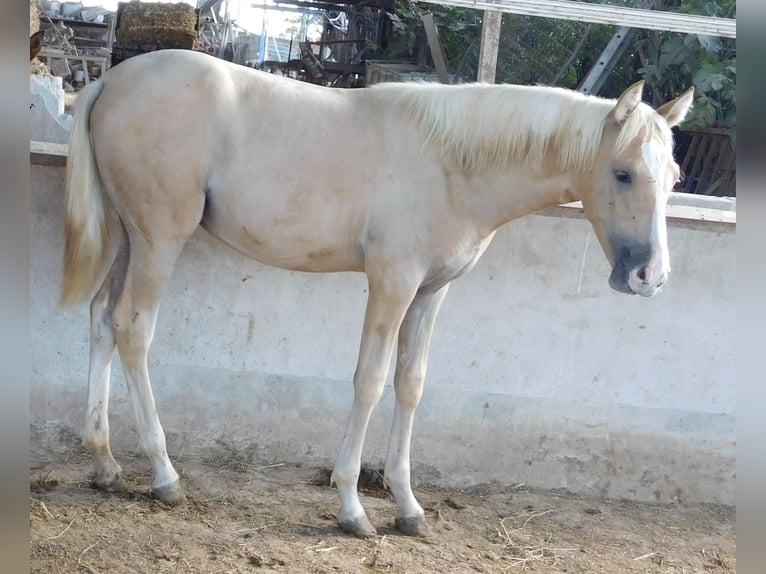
[(627, 102), (675, 111)]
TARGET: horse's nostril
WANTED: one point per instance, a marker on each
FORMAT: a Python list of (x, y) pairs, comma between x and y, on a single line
[(642, 274)]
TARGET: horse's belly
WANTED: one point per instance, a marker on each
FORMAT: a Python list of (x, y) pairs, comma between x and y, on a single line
[(288, 247)]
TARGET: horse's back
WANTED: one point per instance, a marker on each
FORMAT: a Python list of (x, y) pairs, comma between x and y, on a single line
[(214, 110), (287, 172)]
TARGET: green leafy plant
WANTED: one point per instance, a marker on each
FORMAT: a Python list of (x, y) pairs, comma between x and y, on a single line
[(671, 62), (458, 27)]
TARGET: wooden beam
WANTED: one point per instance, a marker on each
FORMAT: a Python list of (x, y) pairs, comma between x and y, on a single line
[(47, 153), (607, 60), (690, 215), (437, 53), (610, 56), (490, 42)]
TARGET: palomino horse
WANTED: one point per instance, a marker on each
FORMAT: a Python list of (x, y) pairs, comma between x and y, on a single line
[(414, 181)]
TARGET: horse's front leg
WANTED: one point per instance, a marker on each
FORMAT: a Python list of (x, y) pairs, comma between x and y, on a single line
[(385, 309), (412, 362)]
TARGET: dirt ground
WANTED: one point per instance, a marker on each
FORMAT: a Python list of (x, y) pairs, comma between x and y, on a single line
[(245, 517)]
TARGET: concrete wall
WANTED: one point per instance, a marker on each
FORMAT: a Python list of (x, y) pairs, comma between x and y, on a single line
[(539, 373), (50, 123)]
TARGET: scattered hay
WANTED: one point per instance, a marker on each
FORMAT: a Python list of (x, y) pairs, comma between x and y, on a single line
[(45, 514), (229, 457), (523, 547), (37, 67), (283, 524), (371, 481), (714, 559), (153, 25), (321, 477), (44, 483), (455, 504)]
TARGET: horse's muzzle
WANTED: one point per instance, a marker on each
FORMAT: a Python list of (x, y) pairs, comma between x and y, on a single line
[(641, 280)]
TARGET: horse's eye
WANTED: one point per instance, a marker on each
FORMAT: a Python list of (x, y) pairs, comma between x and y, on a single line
[(622, 176)]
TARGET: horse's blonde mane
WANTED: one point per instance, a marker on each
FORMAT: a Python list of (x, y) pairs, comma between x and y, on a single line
[(484, 125)]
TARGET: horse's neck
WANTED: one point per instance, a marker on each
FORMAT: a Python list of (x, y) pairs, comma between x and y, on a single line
[(499, 195)]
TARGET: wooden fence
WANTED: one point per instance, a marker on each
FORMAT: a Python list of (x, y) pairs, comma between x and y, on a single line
[(710, 164)]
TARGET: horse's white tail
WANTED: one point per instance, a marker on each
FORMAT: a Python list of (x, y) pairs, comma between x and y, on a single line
[(87, 242)]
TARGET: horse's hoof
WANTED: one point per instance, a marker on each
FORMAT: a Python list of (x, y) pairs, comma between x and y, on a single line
[(171, 494), (110, 483), (361, 527), (412, 525)]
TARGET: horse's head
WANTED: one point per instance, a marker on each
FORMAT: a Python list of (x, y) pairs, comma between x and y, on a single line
[(629, 186)]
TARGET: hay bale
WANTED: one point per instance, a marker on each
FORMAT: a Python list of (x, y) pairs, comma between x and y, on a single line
[(34, 17), (154, 25), (36, 66)]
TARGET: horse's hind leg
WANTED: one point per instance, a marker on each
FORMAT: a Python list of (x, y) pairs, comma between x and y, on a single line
[(412, 361), (108, 474), (135, 315)]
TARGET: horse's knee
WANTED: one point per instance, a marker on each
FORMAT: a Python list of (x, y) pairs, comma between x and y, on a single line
[(367, 391), (409, 389)]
